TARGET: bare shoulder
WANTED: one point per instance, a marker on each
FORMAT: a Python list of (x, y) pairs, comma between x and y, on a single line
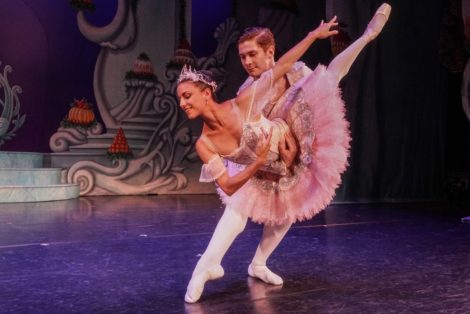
[(243, 98), (229, 104), (241, 102), (232, 107)]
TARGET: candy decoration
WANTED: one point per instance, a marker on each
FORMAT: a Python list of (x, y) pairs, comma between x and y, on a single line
[(119, 148), (183, 55), (142, 69), (142, 65)]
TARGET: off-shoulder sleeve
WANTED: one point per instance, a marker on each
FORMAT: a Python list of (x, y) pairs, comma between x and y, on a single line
[(262, 93), (212, 170)]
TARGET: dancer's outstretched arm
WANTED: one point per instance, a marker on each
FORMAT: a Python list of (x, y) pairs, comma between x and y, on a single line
[(287, 60)]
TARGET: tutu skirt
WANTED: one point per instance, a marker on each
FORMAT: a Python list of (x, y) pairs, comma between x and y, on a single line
[(315, 112)]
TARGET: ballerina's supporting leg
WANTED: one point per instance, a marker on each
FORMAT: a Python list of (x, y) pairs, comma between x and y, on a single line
[(230, 225), (341, 64), (272, 236)]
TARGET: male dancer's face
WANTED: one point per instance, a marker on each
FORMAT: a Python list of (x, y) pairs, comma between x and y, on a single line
[(254, 58)]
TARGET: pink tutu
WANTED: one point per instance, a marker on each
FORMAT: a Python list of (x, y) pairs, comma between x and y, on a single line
[(317, 174)]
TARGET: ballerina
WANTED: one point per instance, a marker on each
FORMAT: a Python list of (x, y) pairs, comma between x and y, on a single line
[(256, 183)]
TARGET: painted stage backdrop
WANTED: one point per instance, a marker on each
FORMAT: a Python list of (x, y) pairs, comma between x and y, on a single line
[(10, 117), (97, 81), (145, 144)]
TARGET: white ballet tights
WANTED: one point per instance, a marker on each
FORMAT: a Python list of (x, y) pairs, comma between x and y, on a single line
[(341, 64), (230, 225), (272, 236)]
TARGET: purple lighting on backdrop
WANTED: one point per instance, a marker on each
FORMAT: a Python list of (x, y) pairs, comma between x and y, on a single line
[(52, 62), (206, 16)]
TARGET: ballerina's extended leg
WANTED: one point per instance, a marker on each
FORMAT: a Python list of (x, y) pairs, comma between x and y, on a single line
[(272, 236), (230, 225), (341, 64)]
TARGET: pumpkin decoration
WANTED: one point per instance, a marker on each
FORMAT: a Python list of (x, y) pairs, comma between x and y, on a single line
[(80, 115), (119, 148)]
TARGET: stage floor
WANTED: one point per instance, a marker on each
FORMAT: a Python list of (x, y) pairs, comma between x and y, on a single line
[(136, 254)]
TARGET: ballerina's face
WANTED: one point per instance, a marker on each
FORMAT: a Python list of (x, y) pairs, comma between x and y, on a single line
[(254, 58), (193, 100)]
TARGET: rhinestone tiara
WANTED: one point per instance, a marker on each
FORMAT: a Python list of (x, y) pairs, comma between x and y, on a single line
[(187, 73)]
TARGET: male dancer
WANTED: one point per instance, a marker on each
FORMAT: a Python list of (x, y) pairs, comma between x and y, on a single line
[(256, 49)]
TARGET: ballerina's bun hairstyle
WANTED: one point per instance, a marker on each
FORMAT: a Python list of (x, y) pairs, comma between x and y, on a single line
[(263, 36)]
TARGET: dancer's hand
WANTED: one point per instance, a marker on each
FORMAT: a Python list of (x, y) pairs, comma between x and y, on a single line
[(324, 29), (262, 149), (288, 149)]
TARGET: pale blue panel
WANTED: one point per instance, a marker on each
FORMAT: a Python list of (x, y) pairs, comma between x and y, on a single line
[(27, 176), (16, 194), (20, 160)]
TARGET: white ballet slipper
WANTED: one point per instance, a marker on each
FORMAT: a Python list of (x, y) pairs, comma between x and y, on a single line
[(196, 284), (263, 273)]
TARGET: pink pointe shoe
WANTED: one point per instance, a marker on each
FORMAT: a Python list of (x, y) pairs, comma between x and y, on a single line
[(378, 21)]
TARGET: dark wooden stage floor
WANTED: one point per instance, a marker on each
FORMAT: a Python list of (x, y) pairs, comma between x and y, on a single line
[(136, 254)]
